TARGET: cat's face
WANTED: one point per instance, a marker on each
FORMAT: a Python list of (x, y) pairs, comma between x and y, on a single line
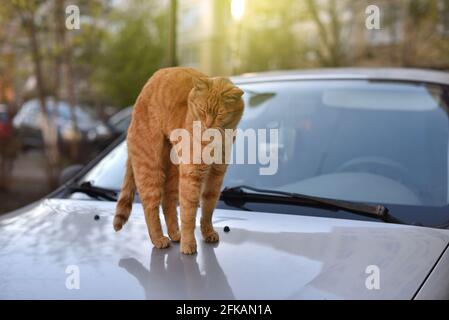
[(216, 102)]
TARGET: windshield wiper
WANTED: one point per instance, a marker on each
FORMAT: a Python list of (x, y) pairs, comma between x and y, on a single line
[(93, 191), (239, 194)]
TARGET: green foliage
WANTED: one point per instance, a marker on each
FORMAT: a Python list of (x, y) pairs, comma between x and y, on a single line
[(129, 56), (268, 38), (419, 8)]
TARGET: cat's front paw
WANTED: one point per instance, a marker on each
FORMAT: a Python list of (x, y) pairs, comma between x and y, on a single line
[(188, 247), (175, 236), (161, 243), (211, 236)]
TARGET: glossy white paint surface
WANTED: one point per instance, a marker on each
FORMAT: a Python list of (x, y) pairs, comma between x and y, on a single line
[(264, 256)]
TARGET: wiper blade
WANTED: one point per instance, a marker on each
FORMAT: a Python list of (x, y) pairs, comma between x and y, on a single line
[(93, 191), (367, 210)]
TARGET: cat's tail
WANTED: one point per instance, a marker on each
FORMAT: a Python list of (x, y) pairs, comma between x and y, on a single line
[(125, 201)]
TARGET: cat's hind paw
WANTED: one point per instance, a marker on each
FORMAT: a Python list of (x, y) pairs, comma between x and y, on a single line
[(161, 243), (188, 247)]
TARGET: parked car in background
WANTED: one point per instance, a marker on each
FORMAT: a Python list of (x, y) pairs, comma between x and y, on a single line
[(28, 124), (358, 208), (119, 122), (9, 146), (6, 127)]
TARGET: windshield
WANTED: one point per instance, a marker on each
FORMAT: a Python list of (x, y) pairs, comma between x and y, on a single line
[(368, 141)]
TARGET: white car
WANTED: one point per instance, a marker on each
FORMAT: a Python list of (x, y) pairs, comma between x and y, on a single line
[(358, 207)]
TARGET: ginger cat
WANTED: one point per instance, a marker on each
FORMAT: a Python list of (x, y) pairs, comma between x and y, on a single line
[(174, 98)]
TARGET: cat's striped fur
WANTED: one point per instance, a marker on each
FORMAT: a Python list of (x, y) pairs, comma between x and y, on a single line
[(171, 99)]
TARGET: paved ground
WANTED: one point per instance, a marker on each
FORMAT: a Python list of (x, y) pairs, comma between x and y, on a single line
[(28, 182)]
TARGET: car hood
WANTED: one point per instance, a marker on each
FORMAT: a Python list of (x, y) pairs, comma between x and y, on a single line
[(263, 256)]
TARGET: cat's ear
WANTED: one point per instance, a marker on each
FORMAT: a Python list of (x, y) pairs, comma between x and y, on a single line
[(233, 95), (202, 84)]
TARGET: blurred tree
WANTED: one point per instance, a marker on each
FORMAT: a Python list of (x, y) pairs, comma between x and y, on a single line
[(419, 32), (333, 30), (268, 37), (172, 33), (132, 50), (296, 34), (64, 66), (87, 58), (26, 13), (412, 34)]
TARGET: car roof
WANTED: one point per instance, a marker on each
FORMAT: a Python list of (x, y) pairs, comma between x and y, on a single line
[(393, 74)]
